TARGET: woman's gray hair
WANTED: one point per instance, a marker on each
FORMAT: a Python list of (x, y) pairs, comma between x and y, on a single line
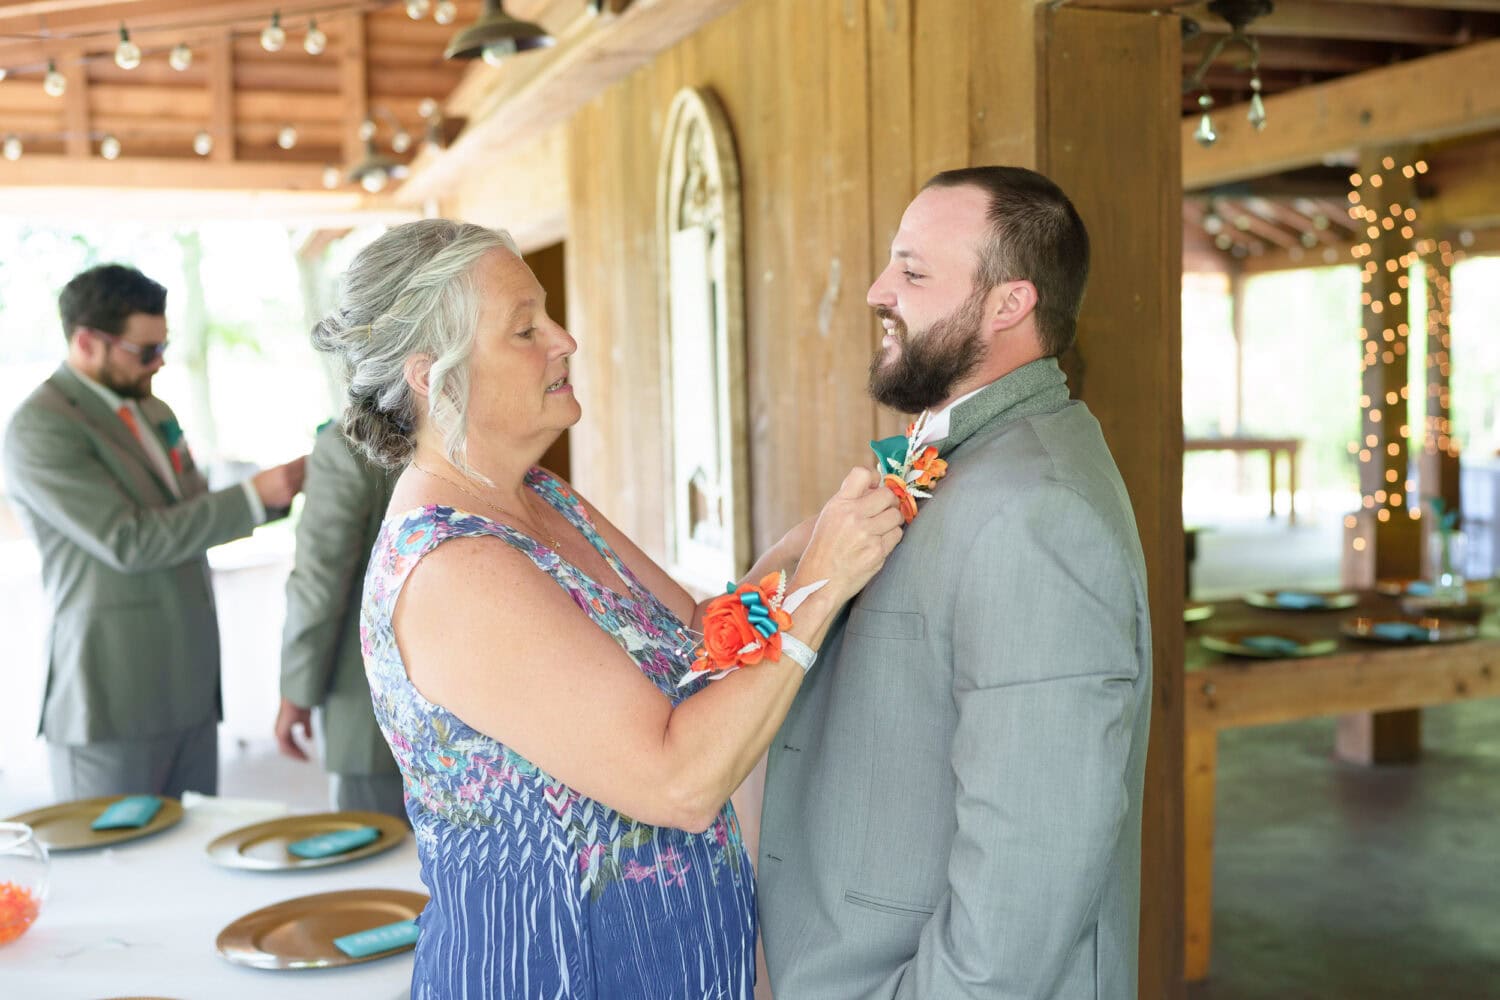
[(410, 292)]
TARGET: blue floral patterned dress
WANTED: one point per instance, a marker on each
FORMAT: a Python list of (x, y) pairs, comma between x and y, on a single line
[(538, 891)]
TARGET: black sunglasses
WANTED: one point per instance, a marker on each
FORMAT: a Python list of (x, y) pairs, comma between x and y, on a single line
[(146, 354)]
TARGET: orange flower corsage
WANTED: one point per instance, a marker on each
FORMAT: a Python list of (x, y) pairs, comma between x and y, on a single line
[(744, 626), (908, 469)]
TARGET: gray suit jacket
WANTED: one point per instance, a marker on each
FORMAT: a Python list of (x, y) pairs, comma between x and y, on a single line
[(345, 501), (133, 647), (953, 804)]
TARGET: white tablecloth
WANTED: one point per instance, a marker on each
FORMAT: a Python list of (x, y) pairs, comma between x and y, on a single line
[(140, 919)]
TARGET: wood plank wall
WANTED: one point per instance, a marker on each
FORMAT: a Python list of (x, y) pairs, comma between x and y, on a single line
[(840, 109)]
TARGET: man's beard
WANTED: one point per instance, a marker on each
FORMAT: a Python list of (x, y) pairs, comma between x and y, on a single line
[(126, 387), (929, 366)]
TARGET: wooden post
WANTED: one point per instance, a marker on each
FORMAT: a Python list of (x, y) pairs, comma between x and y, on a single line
[(1438, 463), (1107, 82), (1385, 527), (1200, 769)]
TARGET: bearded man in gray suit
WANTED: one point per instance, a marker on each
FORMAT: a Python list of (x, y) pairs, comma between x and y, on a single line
[(100, 473), (953, 805)]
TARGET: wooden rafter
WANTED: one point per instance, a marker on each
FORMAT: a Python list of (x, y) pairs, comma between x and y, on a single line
[(1377, 107), (1368, 22)]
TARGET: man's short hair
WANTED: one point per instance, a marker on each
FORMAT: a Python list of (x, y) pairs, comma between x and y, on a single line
[(1036, 235), (103, 298)]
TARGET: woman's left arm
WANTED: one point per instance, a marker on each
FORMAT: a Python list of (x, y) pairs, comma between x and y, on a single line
[(783, 555)]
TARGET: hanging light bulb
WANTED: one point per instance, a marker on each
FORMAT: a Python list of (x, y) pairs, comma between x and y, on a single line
[(12, 147), (316, 41), (427, 108), (417, 9), (4, 72), (331, 177), (54, 83), (367, 130), (445, 12), (1204, 134), (109, 148), (127, 53), (1257, 115), (181, 57), (273, 37), (373, 181), (287, 137), (495, 53), (401, 141), (203, 142)]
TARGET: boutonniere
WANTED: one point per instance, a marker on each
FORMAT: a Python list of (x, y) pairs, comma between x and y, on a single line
[(744, 626), (171, 435), (909, 469)]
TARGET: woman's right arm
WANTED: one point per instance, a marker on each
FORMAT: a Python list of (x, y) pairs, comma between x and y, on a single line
[(485, 635)]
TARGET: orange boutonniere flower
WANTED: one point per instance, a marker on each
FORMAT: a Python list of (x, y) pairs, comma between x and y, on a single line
[(908, 469)]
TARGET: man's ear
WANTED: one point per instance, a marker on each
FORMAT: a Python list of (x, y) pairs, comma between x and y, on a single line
[(1010, 302), (417, 370)]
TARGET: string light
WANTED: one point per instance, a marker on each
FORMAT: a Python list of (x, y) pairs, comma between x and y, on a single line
[(331, 177), (203, 142), (127, 53), (181, 57), (445, 12), (417, 9), (273, 37), (54, 84), (316, 40), (109, 148), (286, 138), (12, 148)]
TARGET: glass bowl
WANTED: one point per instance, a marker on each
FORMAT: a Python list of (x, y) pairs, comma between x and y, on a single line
[(24, 867)]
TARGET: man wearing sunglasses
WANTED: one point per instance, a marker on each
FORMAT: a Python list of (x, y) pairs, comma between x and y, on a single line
[(99, 471)]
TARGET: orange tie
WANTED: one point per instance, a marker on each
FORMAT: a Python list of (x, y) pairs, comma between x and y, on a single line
[(127, 415)]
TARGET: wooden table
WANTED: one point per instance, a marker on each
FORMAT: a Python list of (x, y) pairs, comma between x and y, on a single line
[(1272, 447), (1226, 692)]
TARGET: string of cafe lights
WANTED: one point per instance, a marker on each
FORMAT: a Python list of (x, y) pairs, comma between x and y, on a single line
[(1381, 217), (372, 173)]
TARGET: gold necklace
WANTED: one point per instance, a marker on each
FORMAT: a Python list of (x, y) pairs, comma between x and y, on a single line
[(494, 506)]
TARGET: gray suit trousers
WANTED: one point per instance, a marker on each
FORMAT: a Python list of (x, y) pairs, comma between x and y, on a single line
[(168, 764)]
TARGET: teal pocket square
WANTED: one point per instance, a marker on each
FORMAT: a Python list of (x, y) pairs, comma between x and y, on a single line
[(378, 939), (128, 813), (338, 842)]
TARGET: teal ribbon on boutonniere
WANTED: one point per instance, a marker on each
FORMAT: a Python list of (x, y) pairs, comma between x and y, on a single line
[(171, 432), (321, 427)]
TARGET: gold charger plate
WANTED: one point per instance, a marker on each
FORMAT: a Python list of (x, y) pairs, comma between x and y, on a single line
[(299, 933), (263, 846), (1196, 611), (65, 826), (1233, 643), (1437, 630), (1268, 599), (1401, 587)]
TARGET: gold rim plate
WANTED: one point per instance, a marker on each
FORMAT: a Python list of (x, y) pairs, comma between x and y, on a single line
[(263, 846), (1397, 587), (1329, 602), (1437, 630), (299, 933), (1232, 643), (1195, 611), (66, 826)]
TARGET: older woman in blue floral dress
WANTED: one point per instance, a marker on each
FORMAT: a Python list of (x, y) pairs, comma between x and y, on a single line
[(569, 794)]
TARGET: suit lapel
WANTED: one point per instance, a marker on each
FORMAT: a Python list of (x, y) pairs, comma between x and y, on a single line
[(107, 423)]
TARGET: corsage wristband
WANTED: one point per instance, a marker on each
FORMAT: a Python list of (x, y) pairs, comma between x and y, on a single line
[(748, 624)]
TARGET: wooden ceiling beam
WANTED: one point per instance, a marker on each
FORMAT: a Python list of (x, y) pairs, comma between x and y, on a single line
[(1371, 22), (538, 91), (221, 109), (1467, 190), (165, 173), (1305, 55), (1240, 216), (1393, 104)]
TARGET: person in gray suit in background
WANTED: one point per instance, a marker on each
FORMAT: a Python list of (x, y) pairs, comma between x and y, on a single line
[(99, 472), (321, 664), (953, 805)]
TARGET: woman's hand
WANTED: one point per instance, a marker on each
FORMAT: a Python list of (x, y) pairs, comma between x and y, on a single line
[(855, 532)]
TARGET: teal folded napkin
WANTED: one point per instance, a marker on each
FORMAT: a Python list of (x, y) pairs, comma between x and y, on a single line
[(378, 939), (1402, 631), (1278, 644), (327, 844), (1419, 588), (1299, 599), (128, 813)]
